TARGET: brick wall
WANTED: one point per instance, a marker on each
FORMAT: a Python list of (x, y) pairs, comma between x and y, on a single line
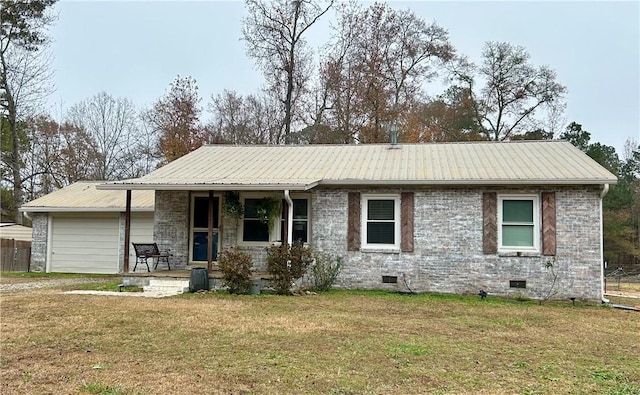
[(448, 253), (171, 224), (39, 226), (230, 228), (447, 256)]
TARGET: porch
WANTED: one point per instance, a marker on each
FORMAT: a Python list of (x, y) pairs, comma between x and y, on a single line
[(143, 278)]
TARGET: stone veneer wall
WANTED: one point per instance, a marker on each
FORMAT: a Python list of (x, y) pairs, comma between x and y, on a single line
[(171, 229), (39, 226), (171, 225), (230, 228), (448, 255)]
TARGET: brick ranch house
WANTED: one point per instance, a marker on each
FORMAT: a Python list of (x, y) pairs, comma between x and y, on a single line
[(448, 218)]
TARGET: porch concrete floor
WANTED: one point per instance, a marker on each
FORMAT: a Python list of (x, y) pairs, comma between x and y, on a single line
[(186, 273), (143, 278)]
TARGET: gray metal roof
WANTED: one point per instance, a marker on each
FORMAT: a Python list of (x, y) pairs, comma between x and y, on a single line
[(16, 232), (265, 167), (83, 196)]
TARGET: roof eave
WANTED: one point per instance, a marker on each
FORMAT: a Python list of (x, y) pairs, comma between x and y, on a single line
[(343, 182), (471, 182), (208, 187), (43, 209)]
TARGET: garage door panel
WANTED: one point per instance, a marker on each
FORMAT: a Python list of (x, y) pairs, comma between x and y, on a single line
[(83, 253), (88, 240), (83, 244), (84, 268)]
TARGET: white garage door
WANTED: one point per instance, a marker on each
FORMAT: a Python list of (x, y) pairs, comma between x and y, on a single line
[(85, 244)]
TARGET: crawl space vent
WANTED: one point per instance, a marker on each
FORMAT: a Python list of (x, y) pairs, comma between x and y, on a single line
[(389, 279), (518, 284)]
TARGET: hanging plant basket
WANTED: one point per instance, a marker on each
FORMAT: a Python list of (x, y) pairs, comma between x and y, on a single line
[(232, 205), (268, 210)]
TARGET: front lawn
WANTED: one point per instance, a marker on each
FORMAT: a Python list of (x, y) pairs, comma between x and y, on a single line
[(333, 343)]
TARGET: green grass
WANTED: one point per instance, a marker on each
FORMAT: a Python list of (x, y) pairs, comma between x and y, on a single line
[(101, 389)]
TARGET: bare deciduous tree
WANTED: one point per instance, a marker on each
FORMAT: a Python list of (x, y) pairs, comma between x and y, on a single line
[(112, 124), (77, 151), (275, 33), (377, 66), (39, 174), (513, 91), (242, 120), (25, 75)]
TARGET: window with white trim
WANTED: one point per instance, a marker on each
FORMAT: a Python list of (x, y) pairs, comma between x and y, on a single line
[(254, 229), (519, 223), (300, 219), (381, 221)]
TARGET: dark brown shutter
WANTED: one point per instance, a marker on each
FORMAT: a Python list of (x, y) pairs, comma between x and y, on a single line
[(353, 226), (406, 221), (548, 223), (489, 223)]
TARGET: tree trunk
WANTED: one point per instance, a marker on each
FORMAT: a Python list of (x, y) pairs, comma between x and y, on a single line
[(290, 75), (15, 168)]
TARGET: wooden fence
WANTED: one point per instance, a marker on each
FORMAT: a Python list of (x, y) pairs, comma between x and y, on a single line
[(15, 255)]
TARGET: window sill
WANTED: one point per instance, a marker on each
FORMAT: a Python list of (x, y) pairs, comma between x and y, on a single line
[(533, 254), (255, 243), (380, 250)]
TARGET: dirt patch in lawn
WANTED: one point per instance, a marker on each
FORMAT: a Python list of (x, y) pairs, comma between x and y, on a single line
[(16, 284)]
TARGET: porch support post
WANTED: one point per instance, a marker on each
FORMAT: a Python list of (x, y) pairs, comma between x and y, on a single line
[(127, 231), (210, 236)]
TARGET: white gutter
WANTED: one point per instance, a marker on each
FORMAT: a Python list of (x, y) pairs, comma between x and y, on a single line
[(207, 187), (344, 182), (466, 182), (289, 217), (34, 209), (605, 190)]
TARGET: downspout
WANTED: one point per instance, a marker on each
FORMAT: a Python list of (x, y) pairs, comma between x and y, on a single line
[(605, 190), (289, 217)]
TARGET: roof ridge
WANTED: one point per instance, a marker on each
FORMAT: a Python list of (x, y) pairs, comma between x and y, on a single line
[(474, 142)]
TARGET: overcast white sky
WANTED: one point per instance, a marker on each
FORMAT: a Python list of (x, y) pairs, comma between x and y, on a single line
[(136, 49)]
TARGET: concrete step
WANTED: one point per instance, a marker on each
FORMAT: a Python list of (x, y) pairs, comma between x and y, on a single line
[(168, 282), (165, 290), (167, 286)]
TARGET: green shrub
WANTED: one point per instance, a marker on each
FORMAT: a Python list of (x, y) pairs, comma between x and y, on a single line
[(235, 265), (324, 271), (287, 264)]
